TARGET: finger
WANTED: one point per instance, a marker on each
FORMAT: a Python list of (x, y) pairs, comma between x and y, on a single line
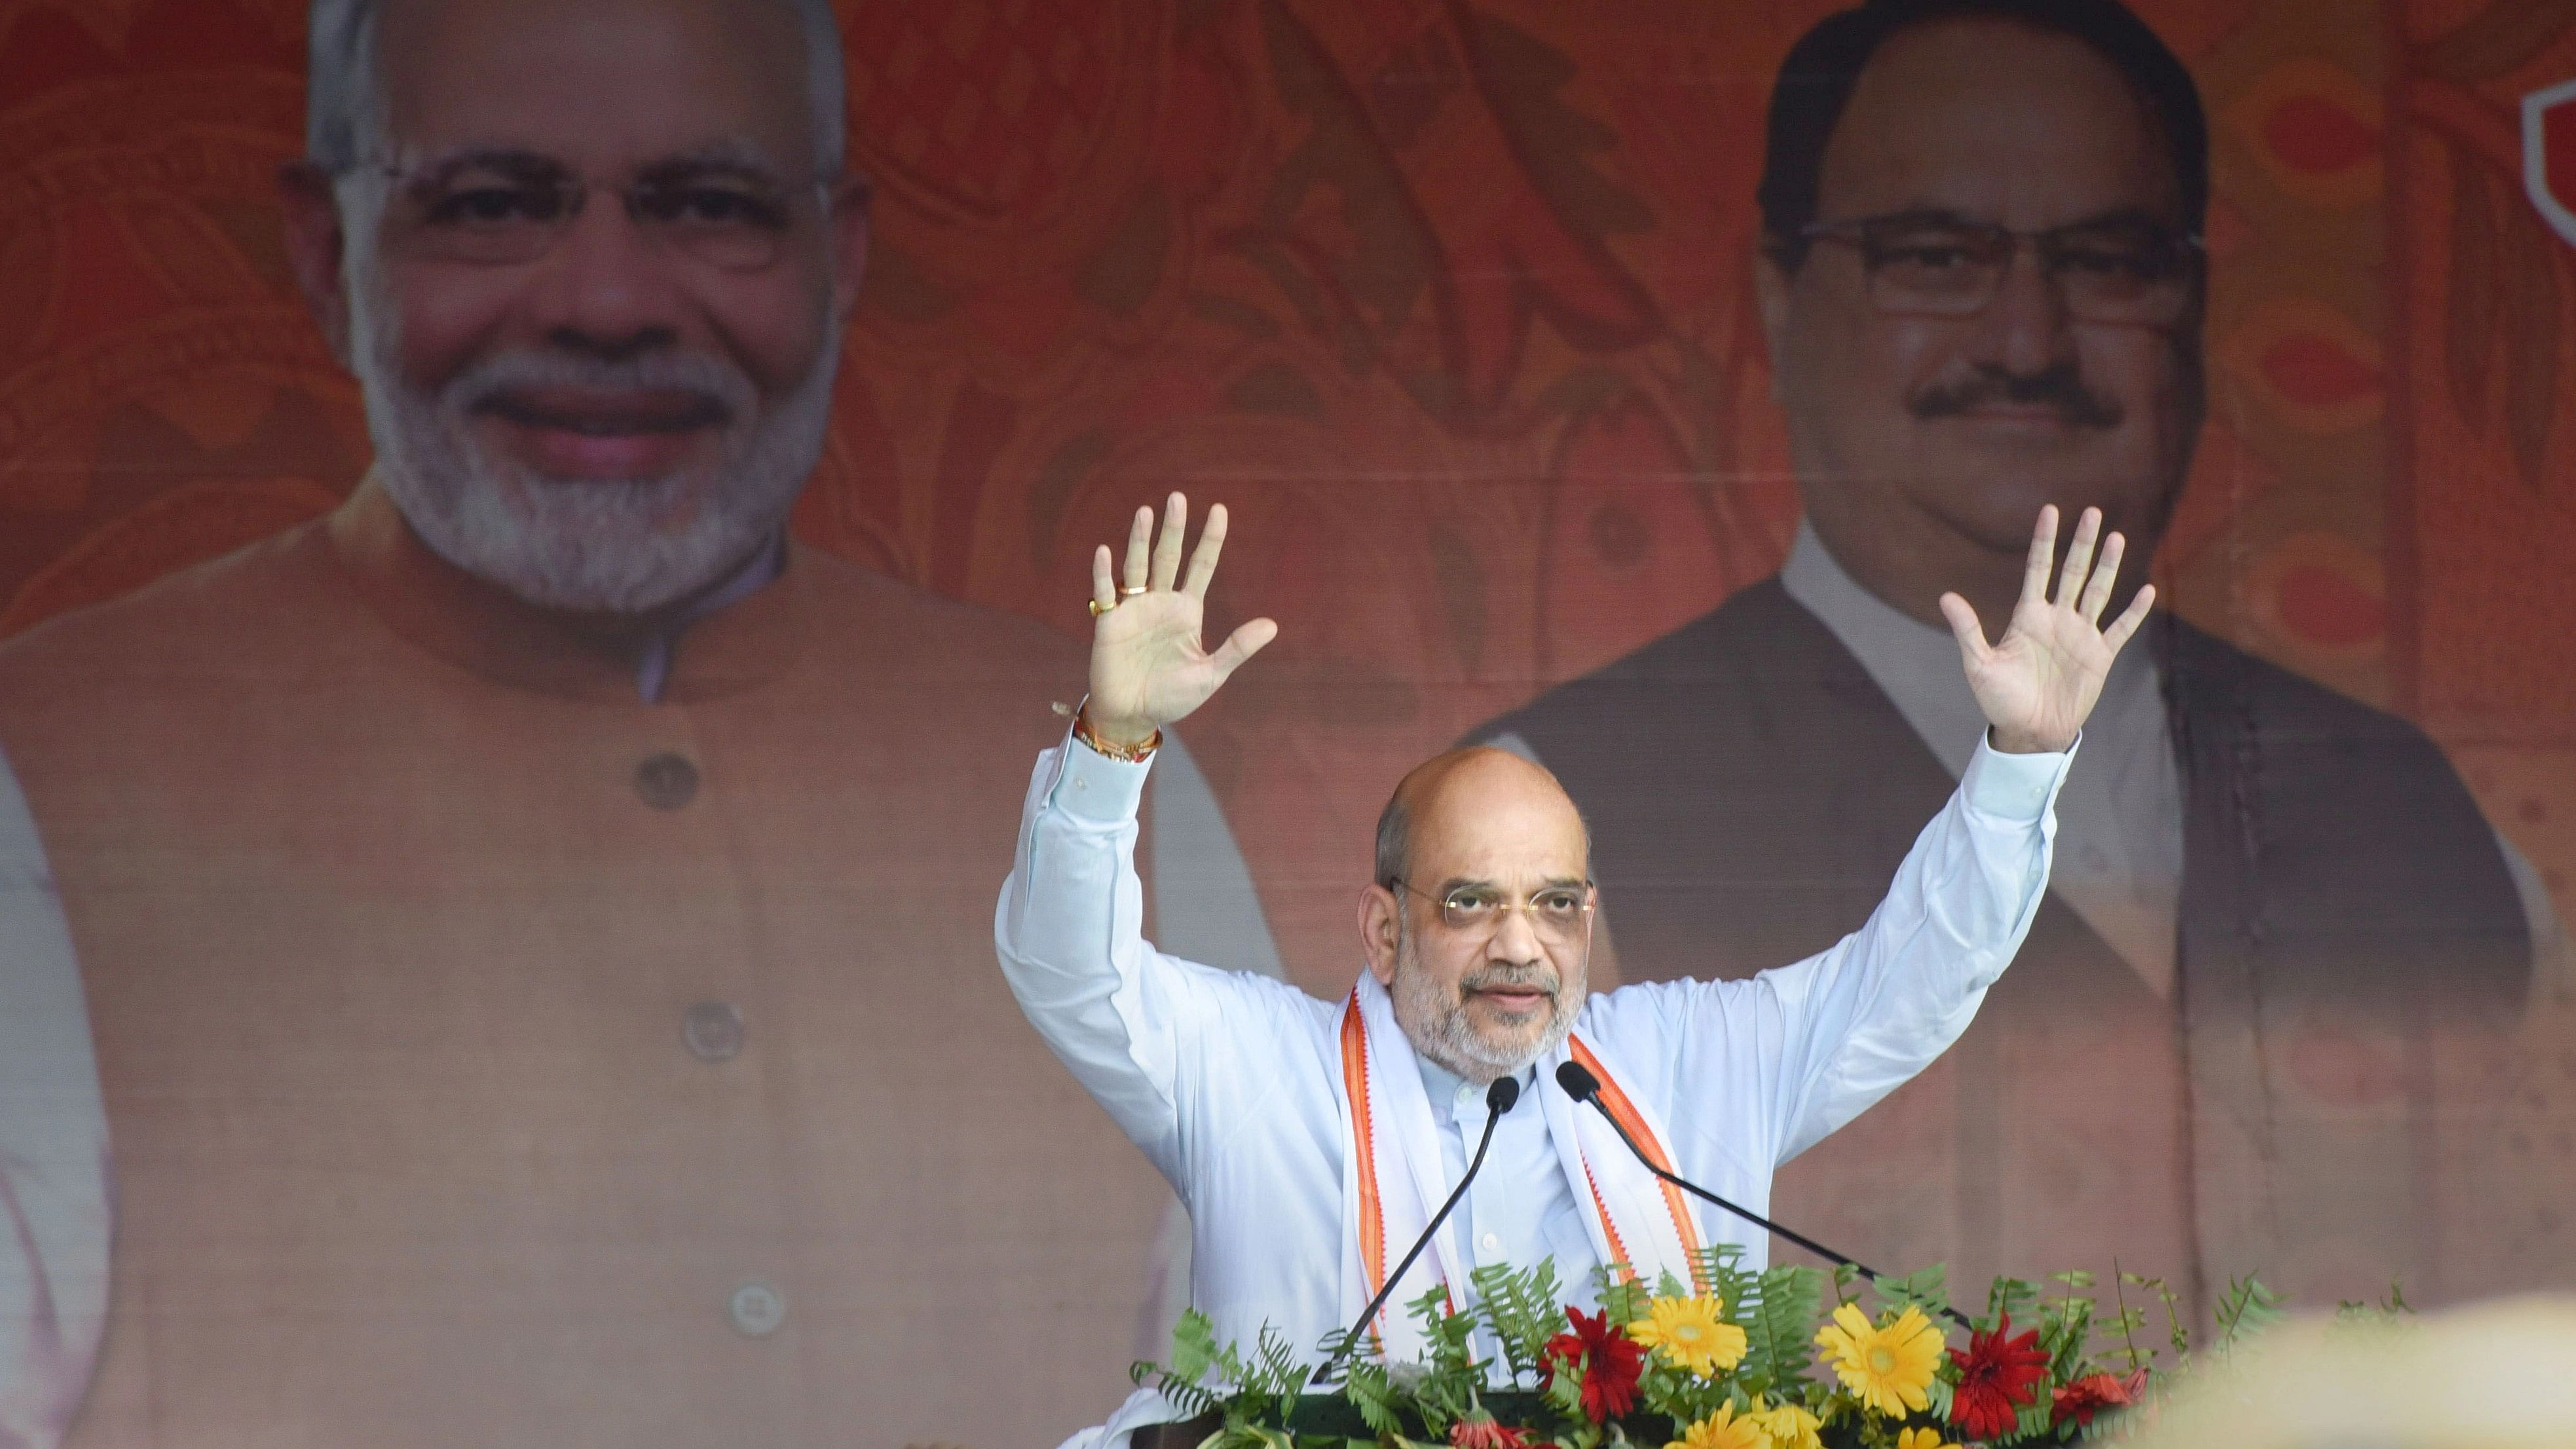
[(1167, 549), (2129, 620), (2097, 591), (1140, 538), (2079, 557), (1241, 645), (1104, 588), (1211, 544), (2043, 552), (1964, 626)]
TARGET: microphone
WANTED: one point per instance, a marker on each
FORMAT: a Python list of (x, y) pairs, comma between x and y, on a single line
[(1582, 1086), (1498, 1099)]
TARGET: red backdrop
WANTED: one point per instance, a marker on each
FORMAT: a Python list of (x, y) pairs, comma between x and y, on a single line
[(1450, 301)]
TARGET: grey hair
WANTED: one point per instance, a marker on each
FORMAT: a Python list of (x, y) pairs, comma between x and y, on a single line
[(1394, 840), (345, 111)]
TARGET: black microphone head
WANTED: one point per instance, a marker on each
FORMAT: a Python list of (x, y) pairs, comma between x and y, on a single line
[(1578, 1083), (1502, 1094)]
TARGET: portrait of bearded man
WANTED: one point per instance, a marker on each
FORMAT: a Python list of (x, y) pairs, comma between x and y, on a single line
[(538, 966)]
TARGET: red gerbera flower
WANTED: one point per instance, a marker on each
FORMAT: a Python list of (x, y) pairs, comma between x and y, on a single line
[(1483, 1433), (1998, 1374), (2093, 1393), (1611, 1363)]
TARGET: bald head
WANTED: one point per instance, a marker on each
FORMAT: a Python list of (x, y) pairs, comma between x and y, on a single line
[(1478, 789), (1486, 854)]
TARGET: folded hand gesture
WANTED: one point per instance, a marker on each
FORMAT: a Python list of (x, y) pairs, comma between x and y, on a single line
[(2038, 683), (1148, 668)]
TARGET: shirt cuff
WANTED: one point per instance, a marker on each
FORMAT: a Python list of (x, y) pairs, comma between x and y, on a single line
[(2016, 787), (1093, 787)]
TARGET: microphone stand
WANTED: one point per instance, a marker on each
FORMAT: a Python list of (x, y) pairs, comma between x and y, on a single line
[(1582, 1086), (1498, 1099)]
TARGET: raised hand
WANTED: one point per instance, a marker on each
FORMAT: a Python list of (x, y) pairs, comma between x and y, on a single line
[(1148, 668), (2038, 683)]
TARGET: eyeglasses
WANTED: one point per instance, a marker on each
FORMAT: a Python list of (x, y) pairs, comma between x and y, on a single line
[(507, 208), (1557, 913), (2124, 271)]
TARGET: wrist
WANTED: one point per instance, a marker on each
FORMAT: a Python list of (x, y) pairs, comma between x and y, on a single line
[(1119, 739), (2023, 742)]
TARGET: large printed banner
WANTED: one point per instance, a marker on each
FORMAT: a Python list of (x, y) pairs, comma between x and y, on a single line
[(521, 1025)]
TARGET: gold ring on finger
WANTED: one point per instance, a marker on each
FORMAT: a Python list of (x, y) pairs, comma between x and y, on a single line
[(1097, 608), (1129, 591)]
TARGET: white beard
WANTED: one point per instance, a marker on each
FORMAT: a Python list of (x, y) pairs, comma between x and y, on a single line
[(1437, 1022), (624, 547)]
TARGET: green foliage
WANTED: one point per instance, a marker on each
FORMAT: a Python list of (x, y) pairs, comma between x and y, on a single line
[(1928, 1290), (1445, 1392), (1780, 1326), (2012, 1297), (1620, 1296), (1255, 1396), (1522, 1310), (2388, 1310), (2065, 1323), (1721, 1266), (2245, 1309), (1204, 1376), (1372, 1391)]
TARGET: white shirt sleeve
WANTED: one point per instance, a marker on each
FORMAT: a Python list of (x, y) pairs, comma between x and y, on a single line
[(54, 1195), (1148, 1035), (1831, 1035)]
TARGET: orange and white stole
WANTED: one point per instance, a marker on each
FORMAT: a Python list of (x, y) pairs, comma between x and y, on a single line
[(1394, 1176)]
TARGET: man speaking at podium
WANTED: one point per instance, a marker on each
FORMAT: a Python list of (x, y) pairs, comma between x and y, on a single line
[(1312, 1141)]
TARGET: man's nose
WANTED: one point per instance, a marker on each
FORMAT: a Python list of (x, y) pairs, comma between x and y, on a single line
[(603, 288), (2025, 330), (1516, 940)]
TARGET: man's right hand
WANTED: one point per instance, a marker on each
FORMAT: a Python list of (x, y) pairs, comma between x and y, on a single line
[(1147, 667)]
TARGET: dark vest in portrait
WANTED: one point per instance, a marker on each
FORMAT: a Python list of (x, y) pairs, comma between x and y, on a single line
[(1751, 791)]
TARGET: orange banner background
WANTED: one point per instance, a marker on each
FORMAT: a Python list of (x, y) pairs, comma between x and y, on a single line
[(1451, 302)]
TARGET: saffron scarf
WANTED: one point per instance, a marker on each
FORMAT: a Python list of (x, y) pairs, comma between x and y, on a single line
[(1393, 1176)]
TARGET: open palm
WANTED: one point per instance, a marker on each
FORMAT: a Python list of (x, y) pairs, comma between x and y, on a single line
[(1148, 666), (2039, 682)]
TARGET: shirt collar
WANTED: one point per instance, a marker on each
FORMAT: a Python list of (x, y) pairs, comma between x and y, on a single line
[(1442, 1086), (1917, 665)]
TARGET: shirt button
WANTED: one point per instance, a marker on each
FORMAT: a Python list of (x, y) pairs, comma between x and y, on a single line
[(758, 1309), (1467, 1096), (666, 781), (713, 1030), (1492, 1243)]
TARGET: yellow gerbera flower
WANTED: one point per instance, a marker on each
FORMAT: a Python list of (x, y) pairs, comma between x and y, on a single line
[(1723, 1430), (1888, 1367), (1922, 1439), (1692, 1333), (1790, 1426)]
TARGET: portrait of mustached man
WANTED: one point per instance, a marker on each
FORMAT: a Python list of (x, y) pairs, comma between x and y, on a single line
[(539, 962)]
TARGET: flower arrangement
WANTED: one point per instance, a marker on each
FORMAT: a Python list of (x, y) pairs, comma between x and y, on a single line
[(1787, 1358)]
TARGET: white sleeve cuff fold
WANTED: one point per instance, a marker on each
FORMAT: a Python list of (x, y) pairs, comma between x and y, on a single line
[(1092, 787), (2015, 787)]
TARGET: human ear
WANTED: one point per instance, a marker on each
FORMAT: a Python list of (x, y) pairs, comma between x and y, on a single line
[(849, 219), (317, 247), (1381, 924), (1771, 286)]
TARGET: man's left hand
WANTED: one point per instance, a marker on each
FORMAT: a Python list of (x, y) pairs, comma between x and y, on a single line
[(2038, 683)]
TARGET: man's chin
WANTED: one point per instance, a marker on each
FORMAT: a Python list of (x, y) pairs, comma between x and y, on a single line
[(1992, 503)]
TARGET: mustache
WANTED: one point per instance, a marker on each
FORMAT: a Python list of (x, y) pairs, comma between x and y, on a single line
[(720, 387), (2060, 387), (1510, 978)]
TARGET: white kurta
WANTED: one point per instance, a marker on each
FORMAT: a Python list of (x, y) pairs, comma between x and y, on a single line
[(54, 1192), (1229, 1081)]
